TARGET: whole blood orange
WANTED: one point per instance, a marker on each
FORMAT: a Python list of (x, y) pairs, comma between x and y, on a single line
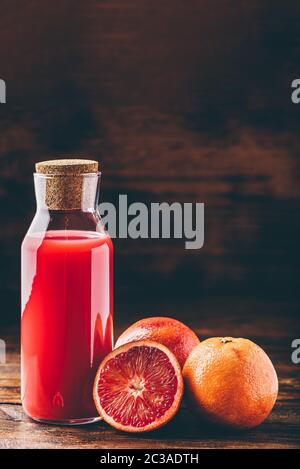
[(175, 335), (138, 387), (231, 381)]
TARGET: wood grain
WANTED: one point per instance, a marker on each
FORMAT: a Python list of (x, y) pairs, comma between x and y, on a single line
[(272, 330), (178, 102), (250, 189)]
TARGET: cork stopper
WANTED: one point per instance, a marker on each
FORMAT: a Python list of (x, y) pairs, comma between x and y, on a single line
[(66, 186), (67, 167)]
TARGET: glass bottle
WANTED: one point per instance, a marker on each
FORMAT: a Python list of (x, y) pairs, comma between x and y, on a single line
[(67, 294)]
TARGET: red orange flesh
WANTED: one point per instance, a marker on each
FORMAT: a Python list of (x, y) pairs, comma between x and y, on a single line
[(138, 387)]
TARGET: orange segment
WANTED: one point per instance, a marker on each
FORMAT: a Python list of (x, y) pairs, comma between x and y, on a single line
[(138, 387)]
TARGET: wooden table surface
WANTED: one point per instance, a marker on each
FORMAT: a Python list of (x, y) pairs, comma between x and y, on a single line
[(274, 325)]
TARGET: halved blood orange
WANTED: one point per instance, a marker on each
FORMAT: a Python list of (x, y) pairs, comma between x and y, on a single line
[(138, 386)]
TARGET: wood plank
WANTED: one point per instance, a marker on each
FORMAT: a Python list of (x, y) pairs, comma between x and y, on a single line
[(271, 329), (137, 141), (192, 112), (280, 431)]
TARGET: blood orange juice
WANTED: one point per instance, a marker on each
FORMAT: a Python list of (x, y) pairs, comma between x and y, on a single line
[(66, 321), (67, 294)]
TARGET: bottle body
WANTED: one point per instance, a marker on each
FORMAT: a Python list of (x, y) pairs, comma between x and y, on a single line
[(67, 314)]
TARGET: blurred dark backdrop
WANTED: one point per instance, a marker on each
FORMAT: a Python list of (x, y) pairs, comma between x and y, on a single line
[(179, 101)]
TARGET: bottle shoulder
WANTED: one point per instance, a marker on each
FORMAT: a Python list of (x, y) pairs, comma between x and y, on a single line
[(84, 223)]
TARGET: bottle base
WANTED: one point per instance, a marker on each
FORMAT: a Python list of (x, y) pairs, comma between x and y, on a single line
[(68, 422)]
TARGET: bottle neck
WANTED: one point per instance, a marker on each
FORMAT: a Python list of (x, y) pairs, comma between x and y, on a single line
[(66, 193)]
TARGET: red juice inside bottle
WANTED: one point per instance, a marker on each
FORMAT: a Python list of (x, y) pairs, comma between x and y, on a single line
[(67, 323)]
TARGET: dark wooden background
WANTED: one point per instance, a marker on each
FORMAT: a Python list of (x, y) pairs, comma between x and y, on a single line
[(179, 101)]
